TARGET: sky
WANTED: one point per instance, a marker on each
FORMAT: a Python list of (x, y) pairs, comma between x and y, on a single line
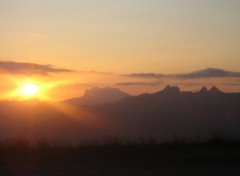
[(104, 42)]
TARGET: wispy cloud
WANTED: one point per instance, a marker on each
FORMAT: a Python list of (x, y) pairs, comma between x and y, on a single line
[(98, 72), (205, 73), (23, 68), (139, 83), (145, 75)]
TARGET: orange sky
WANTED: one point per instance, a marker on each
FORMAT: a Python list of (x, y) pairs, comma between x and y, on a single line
[(119, 37), (63, 85)]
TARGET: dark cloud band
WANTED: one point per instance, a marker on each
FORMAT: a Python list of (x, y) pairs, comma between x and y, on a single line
[(139, 83), (209, 73), (22, 68), (146, 75), (206, 73)]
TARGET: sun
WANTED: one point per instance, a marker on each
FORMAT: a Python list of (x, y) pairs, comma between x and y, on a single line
[(30, 89)]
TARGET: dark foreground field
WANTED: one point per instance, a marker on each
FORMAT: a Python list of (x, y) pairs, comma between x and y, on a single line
[(207, 160), (122, 160)]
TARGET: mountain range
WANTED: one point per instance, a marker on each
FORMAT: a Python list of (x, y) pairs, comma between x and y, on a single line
[(171, 112), (162, 115)]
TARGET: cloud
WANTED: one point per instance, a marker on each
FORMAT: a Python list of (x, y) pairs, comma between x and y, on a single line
[(209, 73), (23, 68), (139, 83), (98, 72), (205, 73), (146, 75)]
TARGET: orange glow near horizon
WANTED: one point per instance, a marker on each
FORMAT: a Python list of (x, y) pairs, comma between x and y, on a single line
[(20, 88), (28, 88)]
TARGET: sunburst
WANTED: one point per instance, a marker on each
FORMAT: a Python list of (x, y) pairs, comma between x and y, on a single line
[(30, 89)]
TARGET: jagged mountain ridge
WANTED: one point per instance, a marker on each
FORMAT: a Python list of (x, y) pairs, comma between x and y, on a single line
[(172, 112), (98, 95), (160, 115)]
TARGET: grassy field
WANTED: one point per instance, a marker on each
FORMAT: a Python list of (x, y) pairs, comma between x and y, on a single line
[(121, 160)]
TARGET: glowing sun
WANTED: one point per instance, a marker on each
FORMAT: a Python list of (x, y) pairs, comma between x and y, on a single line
[(30, 89)]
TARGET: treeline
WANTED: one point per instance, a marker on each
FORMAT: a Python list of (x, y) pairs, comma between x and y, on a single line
[(21, 145)]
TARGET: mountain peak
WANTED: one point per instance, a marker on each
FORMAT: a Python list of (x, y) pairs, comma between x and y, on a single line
[(98, 95), (215, 91), (171, 90), (203, 90)]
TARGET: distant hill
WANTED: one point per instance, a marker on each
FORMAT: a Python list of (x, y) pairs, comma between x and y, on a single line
[(16, 116), (97, 95)]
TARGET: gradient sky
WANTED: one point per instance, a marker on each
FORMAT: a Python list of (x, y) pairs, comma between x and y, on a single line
[(127, 36)]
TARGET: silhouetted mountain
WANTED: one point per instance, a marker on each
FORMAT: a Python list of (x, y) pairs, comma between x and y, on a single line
[(163, 115), (203, 91), (170, 112), (97, 95), (215, 91), (170, 90)]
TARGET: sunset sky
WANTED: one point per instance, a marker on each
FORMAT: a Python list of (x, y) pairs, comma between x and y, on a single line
[(67, 46)]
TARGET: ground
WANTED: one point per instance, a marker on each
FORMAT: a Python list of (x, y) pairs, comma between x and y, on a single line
[(123, 161)]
